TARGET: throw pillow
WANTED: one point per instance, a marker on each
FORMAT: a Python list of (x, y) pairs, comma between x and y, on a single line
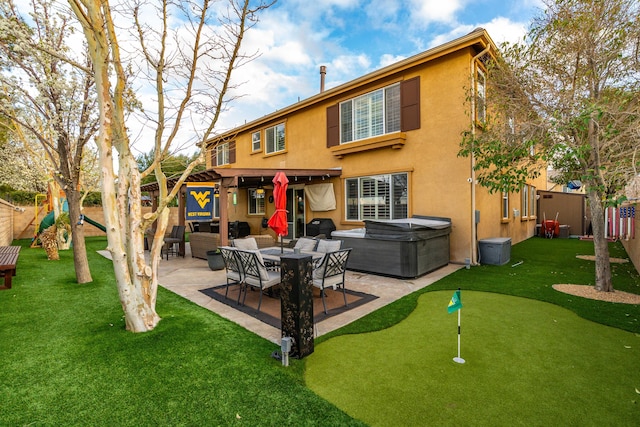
[(329, 245), (305, 244)]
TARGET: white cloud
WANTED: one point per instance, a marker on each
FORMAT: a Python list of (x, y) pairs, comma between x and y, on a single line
[(349, 65), (425, 12), (455, 33), (388, 59), (502, 29)]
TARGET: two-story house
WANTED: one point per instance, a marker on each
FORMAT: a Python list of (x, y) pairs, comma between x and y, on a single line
[(382, 146)]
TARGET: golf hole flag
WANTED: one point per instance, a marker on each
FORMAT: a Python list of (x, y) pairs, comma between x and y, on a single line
[(200, 197), (455, 304)]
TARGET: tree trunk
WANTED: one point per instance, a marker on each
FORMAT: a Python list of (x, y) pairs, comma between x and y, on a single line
[(80, 261), (601, 246), (136, 281)]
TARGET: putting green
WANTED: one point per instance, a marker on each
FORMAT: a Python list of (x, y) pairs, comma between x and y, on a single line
[(527, 362)]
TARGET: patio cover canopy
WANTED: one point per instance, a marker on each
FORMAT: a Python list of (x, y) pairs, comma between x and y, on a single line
[(248, 177), (241, 178)]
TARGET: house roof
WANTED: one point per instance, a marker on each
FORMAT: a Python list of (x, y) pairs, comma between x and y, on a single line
[(478, 39)]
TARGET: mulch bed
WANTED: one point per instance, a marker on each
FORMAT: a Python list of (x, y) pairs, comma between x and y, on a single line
[(270, 309), (612, 260)]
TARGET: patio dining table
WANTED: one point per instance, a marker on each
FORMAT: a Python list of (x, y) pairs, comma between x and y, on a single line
[(273, 254)]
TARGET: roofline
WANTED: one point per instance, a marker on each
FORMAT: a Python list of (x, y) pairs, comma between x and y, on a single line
[(477, 36)]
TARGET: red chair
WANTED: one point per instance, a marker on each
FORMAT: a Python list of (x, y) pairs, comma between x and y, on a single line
[(551, 228)]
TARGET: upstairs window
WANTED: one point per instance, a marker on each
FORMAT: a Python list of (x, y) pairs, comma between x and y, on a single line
[(481, 97), (372, 114), (222, 154), (274, 139), (255, 141)]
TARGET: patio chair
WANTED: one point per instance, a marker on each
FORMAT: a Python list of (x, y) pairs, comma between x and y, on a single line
[(255, 274), (232, 266), (247, 244), (175, 238), (330, 271)]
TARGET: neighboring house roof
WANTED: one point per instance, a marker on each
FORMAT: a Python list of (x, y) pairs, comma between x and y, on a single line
[(478, 38)]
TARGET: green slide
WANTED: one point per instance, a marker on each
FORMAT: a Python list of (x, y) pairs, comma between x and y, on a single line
[(49, 220), (95, 224)]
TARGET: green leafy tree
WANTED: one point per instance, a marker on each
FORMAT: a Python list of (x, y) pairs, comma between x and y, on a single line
[(173, 165), (568, 94)]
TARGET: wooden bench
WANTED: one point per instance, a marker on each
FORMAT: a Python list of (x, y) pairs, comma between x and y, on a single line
[(8, 261)]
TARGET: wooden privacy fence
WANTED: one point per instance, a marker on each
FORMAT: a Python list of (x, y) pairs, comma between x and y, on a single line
[(6, 222)]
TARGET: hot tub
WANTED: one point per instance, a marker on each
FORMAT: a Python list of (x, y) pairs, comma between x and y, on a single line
[(404, 248)]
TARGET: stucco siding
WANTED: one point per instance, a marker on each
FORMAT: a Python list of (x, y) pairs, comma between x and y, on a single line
[(438, 179)]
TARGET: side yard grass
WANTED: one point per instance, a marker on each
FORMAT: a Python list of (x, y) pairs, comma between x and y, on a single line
[(67, 360)]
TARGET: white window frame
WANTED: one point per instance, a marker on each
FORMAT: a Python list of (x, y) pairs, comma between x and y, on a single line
[(524, 202), (532, 202), (222, 154), (256, 142), (505, 206), (275, 139), (216, 204), (369, 115), (256, 202), (377, 197), (481, 96)]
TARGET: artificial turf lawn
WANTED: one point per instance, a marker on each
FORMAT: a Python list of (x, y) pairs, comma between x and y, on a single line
[(536, 264), (527, 363), (541, 263), (67, 360)]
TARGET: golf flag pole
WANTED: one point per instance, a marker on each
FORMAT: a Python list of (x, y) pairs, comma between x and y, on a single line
[(455, 305)]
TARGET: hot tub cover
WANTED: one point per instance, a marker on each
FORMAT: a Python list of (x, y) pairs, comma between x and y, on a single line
[(407, 229)]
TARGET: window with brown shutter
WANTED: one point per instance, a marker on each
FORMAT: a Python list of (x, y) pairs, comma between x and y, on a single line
[(333, 126), (394, 108), (410, 104), (232, 152)]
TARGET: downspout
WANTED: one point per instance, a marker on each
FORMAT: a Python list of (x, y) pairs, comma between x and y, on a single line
[(473, 249)]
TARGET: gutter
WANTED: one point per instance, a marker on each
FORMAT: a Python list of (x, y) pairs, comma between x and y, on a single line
[(473, 247)]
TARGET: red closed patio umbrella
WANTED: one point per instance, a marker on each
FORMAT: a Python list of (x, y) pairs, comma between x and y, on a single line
[(278, 221)]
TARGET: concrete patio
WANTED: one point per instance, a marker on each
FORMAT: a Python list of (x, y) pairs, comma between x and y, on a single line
[(187, 276)]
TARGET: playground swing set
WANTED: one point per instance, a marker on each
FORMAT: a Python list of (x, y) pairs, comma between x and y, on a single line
[(45, 201)]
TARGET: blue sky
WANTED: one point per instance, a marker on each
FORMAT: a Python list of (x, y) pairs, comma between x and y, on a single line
[(352, 38)]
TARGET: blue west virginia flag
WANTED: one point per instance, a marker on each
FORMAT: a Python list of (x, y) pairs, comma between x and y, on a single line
[(200, 197)]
